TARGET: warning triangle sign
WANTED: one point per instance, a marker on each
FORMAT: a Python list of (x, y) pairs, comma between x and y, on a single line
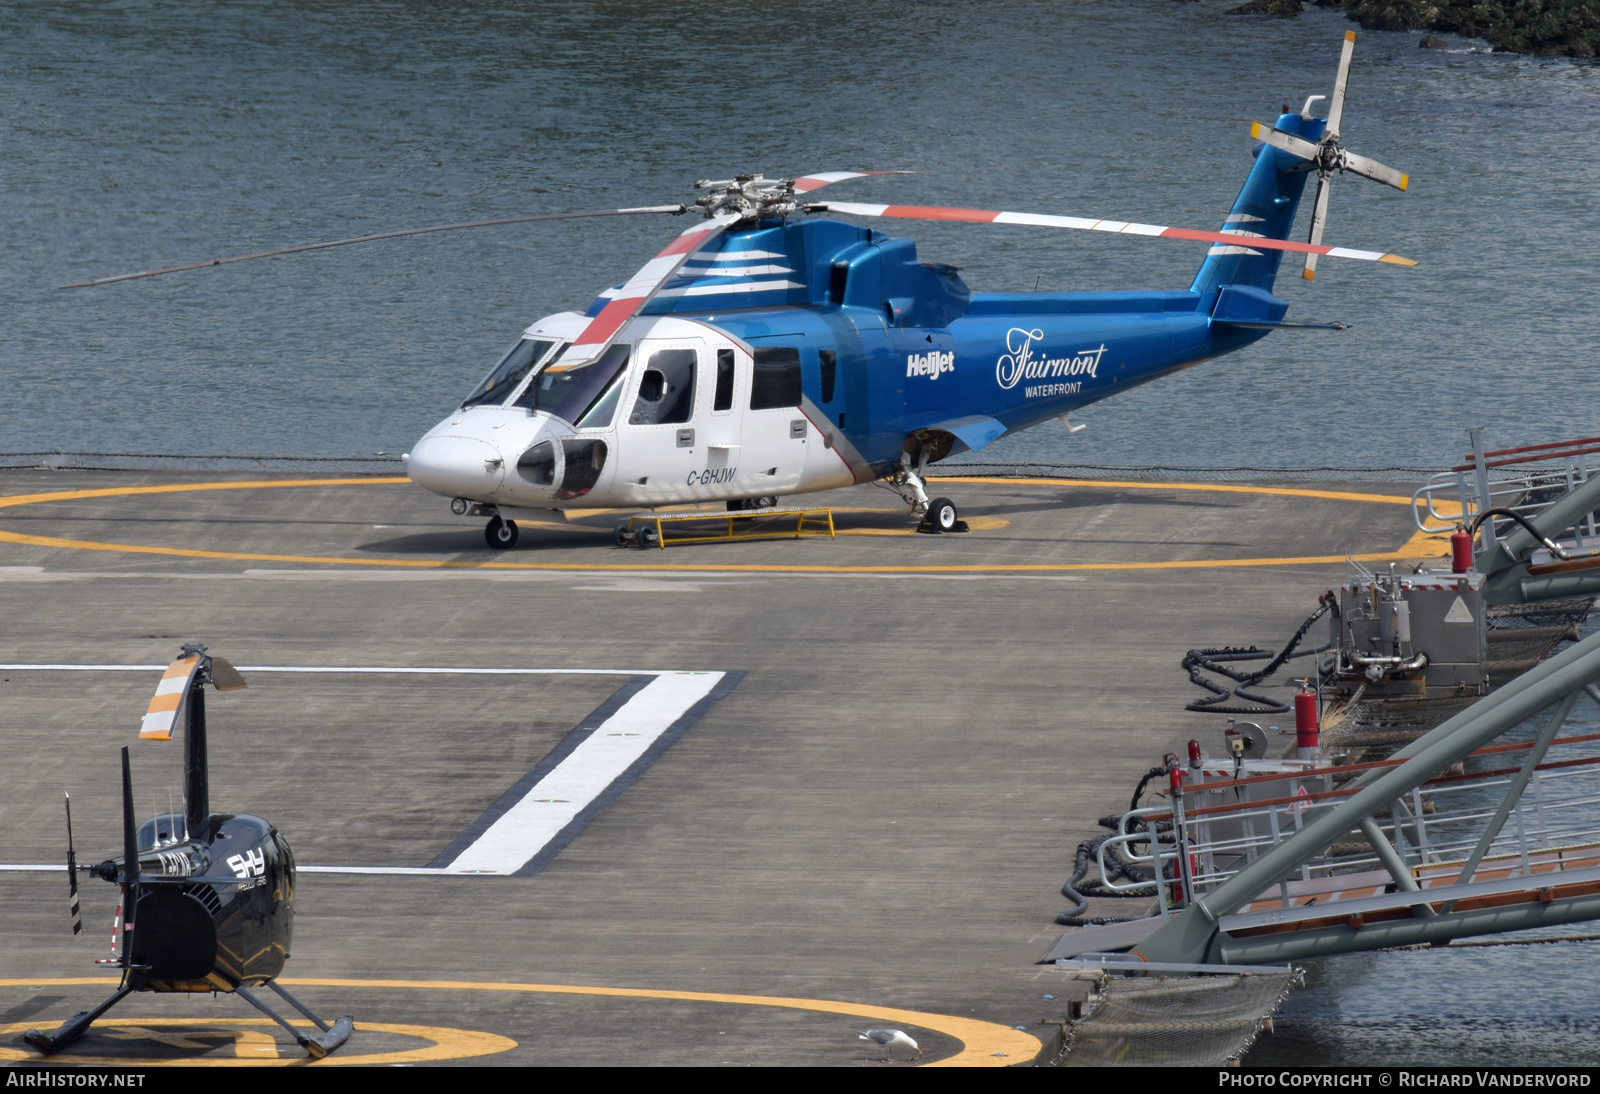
[(1459, 613)]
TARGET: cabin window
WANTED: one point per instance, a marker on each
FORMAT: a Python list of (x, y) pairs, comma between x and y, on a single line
[(666, 390), (830, 372), (579, 394), (776, 380), (724, 398), (510, 372), (581, 467)]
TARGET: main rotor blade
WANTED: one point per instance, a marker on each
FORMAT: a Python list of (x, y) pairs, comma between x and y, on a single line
[(1372, 169), (1042, 220), (805, 184), (1336, 106), (1319, 219), (639, 290), (162, 714), (1295, 146), (673, 209)]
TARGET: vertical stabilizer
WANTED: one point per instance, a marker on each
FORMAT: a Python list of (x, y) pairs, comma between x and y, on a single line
[(1265, 207)]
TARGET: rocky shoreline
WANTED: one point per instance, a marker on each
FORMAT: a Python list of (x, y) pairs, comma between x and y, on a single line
[(1547, 28)]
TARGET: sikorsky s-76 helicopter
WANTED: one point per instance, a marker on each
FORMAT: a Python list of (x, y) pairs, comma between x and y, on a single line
[(767, 352)]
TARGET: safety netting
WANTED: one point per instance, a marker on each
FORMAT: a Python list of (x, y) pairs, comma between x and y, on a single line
[(1193, 1021)]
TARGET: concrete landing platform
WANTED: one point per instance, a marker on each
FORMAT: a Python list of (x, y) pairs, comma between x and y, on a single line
[(867, 828)]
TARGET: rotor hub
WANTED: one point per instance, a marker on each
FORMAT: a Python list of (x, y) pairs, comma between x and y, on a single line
[(751, 197)]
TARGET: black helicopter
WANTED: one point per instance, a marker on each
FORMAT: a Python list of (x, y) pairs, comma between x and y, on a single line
[(207, 898)]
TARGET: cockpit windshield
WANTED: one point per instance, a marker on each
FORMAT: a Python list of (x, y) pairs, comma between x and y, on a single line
[(586, 395), (500, 383)]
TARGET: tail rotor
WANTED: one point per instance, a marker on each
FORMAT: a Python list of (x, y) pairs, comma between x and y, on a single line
[(1327, 155)]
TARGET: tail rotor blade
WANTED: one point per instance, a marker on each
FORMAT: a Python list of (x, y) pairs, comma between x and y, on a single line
[(1319, 220), (1295, 146), (72, 875), (1336, 106), (1372, 169), (130, 860)]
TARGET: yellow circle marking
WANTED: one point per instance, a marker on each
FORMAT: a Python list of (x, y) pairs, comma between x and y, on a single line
[(983, 1044), (1419, 545), (254, 1049)]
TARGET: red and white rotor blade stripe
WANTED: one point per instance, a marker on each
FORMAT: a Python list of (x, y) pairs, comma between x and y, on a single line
[(1231, 238), (639, 290), (805, 184)]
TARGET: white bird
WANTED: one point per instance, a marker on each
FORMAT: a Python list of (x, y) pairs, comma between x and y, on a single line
[(888, 1038)]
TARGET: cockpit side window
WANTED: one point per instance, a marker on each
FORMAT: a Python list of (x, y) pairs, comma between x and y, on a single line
[(582, 394), (510, 372), (666, 390)]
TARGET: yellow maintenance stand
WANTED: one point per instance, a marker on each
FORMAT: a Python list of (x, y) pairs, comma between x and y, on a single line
[(652, 529)]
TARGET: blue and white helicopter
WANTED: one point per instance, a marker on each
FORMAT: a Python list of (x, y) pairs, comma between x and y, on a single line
[(768, 352)]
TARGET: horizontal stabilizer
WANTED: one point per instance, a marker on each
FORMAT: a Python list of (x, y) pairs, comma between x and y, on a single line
[(1259, 324)]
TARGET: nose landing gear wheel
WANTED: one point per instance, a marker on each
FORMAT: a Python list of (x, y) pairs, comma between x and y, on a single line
[(501, 534)]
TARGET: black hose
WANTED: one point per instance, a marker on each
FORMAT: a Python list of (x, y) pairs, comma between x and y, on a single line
[(1074, 888), (1550, 544), (1213, 658)]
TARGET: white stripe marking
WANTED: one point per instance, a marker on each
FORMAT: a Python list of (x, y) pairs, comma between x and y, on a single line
[(1346, 252), (399, 669), (159, 723), (557, 799), (170, 684)]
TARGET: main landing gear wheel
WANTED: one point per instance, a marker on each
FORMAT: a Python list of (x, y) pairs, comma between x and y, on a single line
[(622, 537), (649, 537), (942, 516), (501, 534)]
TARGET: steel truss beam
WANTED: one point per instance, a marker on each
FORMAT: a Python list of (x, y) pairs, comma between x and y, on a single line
[(1198, 935)]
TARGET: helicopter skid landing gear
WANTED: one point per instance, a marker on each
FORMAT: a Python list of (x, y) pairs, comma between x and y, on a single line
[(317, 1047), (49, 1044), (501, 534)]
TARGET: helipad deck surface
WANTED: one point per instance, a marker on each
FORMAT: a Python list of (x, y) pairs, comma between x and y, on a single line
[(879, 811)]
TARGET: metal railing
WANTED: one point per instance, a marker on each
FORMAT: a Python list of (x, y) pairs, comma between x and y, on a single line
[(1503, 479), (1434, 829)]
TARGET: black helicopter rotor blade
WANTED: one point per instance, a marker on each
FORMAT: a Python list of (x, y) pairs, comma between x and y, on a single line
[(670, 209), (72, 875), (130, 862)]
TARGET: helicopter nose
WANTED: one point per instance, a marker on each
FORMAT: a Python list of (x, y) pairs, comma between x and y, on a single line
[(457, 467)]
